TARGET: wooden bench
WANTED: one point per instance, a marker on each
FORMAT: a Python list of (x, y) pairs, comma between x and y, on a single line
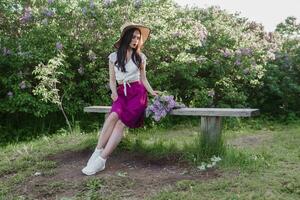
[(211, 118)]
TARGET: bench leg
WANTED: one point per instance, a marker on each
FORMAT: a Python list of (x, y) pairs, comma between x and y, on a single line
[(211, 128)]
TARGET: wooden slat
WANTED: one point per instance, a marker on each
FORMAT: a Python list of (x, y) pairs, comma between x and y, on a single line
[(97, 109), (230, 112)]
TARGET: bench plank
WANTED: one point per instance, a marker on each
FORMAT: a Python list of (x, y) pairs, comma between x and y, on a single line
[(229, 112), (211, 118), (216, 112)]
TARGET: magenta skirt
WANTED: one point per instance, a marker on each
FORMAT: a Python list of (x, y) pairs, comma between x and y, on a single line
[(131, 108)]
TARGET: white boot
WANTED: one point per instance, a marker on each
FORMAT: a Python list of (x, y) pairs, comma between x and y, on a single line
[(95, 154), (96, 165)]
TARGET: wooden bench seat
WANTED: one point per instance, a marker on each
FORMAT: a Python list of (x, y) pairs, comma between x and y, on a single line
[(211, 118)]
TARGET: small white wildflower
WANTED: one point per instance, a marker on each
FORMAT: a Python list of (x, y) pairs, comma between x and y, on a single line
[(201, 167), (218, 159), (37, 173), (254, 157), (215, 159), (122, 174)]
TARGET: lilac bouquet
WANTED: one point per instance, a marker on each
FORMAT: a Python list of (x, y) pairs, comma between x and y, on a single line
[(161, 105)]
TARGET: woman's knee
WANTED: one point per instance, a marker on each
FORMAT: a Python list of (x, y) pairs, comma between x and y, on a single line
[(113, 116), (120, 124)]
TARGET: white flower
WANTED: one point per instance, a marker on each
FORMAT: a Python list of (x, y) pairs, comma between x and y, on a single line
[(37, 173), (254, 157), (201, 167), (215, 159)]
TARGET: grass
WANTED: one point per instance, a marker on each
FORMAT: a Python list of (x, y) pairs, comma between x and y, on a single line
[(270, 171), (267, 168)]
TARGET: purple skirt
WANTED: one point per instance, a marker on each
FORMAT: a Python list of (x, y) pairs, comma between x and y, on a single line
[(131, 108)]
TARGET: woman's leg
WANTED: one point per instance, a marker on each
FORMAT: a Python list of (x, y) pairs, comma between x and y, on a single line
[(107, 129), (114, 139)]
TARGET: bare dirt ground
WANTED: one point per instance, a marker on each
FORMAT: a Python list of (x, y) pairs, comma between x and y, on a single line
[(126, 176)]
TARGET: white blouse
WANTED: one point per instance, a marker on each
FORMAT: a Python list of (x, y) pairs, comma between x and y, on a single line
[(132, 71)]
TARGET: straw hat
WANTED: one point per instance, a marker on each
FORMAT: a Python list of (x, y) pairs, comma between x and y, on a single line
[(145, 32)]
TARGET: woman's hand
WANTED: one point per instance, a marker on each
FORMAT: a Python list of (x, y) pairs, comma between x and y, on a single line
[(156, 92), (114, 96)]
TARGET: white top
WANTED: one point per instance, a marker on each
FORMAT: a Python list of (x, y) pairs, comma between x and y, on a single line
[(132, 71)]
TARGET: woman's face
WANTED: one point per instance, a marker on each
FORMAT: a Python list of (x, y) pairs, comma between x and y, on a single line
[(135, 39)]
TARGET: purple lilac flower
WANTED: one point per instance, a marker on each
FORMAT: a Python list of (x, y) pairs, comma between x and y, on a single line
[(107, 2), (286, 58), (202, 35), (163, 113), (211, 93), (84, 10), (237, 62), (238, 52), (156, 118), (156, 102), (48, 13), (176, 34), (26, 17), (92, 56), (24, 54), (6, 51), (80, 70), (22, 85), (253, 25), (137, 3), (201, 59), (59, 46), (50, 1), (92, 4), (253, 63), (170, 103), (271, 55), (246, 71), (246, 51), (269, 37), (109, 24), (148, 112), (20, 74), (173, 48), (226, 53), (160, 107), (151, 107), (45, 21), (10, 94)]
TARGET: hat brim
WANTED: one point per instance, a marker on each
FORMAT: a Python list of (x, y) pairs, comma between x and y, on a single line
[(145, 32)]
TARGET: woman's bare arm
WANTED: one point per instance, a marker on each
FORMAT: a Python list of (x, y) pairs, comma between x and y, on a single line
[(145, 80), (112, 79)]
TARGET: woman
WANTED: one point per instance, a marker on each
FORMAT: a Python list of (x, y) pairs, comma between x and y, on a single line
[(127, 66)]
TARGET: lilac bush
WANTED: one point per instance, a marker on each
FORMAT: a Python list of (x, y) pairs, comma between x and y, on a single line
[(206, 57)]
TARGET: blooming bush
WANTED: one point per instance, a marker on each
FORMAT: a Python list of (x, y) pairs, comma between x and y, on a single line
[(161, 105), (205, 57)]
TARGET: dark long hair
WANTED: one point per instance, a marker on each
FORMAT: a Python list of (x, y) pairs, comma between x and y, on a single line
[(122, 51)]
